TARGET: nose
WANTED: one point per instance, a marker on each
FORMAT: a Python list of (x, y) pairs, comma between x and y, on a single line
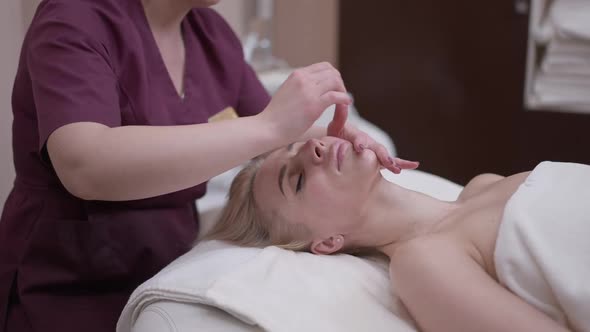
[(315, 150)]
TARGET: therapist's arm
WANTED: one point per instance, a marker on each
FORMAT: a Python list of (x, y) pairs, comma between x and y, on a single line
[(96, 162)]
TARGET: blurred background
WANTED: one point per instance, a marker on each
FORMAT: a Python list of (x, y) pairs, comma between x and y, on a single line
[(465, 87)]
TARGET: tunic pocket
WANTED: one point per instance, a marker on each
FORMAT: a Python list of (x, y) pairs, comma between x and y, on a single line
[(137, 243), (67, 252)]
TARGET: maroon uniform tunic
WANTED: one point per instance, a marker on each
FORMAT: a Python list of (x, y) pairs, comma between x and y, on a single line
[(67, 264)]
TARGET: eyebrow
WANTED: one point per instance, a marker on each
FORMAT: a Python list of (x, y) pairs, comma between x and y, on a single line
[(284, 170)]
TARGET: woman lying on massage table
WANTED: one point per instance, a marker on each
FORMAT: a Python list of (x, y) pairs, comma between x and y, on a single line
[(321, 196)]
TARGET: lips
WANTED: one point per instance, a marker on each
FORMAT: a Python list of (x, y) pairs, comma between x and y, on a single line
[(341, 150)]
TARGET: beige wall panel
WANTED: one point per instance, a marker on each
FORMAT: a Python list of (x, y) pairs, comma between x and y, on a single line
[(11, 32), (306, 31)]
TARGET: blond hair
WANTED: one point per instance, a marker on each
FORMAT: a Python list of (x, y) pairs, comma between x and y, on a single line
[(243, 223)]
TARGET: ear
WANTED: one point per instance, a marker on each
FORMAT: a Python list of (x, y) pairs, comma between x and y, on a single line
[(327, 246)]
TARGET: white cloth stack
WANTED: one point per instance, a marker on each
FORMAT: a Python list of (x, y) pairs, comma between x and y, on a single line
[(562, 79)]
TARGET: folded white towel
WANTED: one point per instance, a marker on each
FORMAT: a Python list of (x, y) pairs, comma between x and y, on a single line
[(567, 57), (567, 19), (562, 92), (561, 79), (563, 46), (542, 251), (568, 50), (571, 19), (561, 65), (278, 290), (574, 85)]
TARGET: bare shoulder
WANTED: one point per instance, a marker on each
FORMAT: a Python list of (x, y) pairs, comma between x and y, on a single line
[(479, 183), (445, 289), (427, 253), (424, 249), (418, 270)]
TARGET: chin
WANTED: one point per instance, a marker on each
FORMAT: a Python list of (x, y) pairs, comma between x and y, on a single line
[(368, 161), (364, 167)]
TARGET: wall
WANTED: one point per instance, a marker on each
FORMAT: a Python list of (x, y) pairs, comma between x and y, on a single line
[(11, 31), (237, 12), (306, 31), (28, 10)]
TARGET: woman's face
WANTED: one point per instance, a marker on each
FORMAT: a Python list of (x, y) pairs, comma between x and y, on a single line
[(323, 184)]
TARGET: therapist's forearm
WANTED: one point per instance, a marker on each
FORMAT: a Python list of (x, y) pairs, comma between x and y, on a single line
[(136, 162)]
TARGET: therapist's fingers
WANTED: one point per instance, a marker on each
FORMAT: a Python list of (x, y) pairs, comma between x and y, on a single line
[(396, 165), (324, 73), (361, 141), (336, 126), (385, 158), (330, 83), (406, 164), (335, 97), (319, 67)]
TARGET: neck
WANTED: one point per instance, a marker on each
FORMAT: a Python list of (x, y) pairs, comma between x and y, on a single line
[(165, 16), (395, 215)]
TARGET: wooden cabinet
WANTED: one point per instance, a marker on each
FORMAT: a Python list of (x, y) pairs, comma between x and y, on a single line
[(445, 79)]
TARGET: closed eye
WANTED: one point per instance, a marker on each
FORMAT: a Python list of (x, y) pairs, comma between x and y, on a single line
[(299, 183)]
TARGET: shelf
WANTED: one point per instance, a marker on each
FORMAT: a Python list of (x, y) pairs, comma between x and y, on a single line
[(550, 89)]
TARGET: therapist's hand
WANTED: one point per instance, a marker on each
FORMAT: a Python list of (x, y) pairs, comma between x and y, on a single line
[(303, 97), (361, 140)]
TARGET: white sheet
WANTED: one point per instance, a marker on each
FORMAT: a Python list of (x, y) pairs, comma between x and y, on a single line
[(543, 248)]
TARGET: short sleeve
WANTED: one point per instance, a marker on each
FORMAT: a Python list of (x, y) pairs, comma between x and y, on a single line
[(253, 97), (72, 80)]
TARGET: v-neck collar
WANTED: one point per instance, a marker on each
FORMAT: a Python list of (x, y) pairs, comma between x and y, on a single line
[(163, 72)]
